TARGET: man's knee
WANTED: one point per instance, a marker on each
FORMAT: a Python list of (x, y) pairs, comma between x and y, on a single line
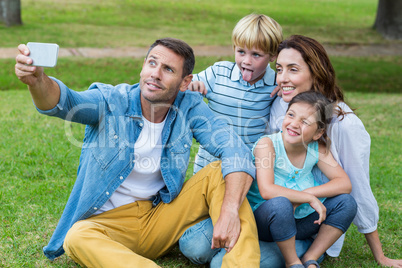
[(210, 174), (75, 236)]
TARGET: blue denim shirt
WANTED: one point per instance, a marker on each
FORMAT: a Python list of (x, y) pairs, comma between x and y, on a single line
[(114, 121)]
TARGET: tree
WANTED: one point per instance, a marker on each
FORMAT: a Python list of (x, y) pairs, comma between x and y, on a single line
[(389, 19), (10, 12)]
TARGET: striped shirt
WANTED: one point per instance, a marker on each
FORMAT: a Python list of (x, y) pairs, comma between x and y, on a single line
[(245, 107)]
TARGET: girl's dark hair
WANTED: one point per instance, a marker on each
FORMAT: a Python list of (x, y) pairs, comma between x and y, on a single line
[(322, 71), (324, 111)]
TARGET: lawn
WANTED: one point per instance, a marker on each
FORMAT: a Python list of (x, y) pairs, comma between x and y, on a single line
[(122, 23), (39, 155)]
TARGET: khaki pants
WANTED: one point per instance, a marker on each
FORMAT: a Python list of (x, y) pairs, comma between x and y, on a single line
[(134, 234)]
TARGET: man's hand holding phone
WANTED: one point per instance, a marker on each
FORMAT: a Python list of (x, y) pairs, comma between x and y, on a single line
[(29, 70), (32, 58)]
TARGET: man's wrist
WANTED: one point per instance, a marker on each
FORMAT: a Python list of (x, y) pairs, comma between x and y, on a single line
[(231, 208)]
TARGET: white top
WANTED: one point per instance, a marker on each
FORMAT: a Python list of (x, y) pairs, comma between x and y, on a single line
[(350, 146), (145, 180)]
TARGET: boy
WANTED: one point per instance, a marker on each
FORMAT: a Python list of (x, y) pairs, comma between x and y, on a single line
[(239, 92)]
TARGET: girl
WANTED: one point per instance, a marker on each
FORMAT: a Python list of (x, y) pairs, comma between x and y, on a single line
[(288, 203)]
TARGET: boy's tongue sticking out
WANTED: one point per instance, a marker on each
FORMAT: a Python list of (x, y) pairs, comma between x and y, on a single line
[(247, 74)]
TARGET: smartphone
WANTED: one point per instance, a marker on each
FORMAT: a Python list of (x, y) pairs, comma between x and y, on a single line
[(43, 54)]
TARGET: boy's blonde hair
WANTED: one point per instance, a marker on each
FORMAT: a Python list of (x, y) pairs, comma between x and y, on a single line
[(258, 30)]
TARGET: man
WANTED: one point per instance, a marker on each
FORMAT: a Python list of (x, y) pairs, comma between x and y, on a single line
[(129, 203)]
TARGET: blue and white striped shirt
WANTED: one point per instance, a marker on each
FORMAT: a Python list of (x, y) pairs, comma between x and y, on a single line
[(244, 107)]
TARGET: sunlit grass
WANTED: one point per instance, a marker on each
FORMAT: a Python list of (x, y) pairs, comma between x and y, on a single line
[(124, 23)]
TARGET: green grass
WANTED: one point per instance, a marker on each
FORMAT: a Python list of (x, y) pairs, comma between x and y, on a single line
[(38, 166), (123, 23)]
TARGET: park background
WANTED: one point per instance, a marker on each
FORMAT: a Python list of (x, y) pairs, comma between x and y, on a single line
[(39, 155)]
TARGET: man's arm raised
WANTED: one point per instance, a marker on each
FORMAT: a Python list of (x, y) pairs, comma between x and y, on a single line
[(45, 92)]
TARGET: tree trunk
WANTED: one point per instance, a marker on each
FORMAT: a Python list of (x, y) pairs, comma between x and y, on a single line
[(389, 19), (10, 12)]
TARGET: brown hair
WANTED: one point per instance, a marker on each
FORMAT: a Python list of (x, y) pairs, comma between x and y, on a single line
[(324, 109), (322, 71), (179, 47)]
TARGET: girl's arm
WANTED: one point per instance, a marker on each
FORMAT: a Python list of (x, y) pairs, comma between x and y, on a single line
[(339, 182), (264, 153)]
